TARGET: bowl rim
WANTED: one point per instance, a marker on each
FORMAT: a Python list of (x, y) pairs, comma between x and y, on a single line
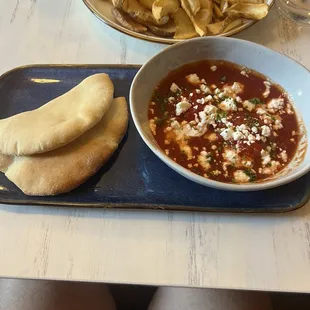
[(189, 174), (162, 40)]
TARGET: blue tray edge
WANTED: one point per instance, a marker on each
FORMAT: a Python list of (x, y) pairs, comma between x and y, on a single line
[(163, 207)]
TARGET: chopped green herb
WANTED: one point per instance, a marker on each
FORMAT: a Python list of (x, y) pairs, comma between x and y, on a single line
[(178, 92), (163, 103), (256, 100), (268, 165), (221, 114), (252, 121), (223, 79), (210, 157), (251, 174), (273, 153), (196, 170), (161, 121)]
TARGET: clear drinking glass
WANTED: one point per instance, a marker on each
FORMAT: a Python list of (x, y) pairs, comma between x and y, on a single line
[(297, 10)]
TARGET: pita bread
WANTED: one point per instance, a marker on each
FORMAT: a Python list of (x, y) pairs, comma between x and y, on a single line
[(58, 122), (65, 168)]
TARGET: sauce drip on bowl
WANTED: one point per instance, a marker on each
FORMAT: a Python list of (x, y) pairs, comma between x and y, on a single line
[(224, 122)]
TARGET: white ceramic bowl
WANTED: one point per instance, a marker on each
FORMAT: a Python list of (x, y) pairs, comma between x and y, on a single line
[(293, 77)]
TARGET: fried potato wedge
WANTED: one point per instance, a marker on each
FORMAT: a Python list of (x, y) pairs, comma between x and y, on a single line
[(126, 21), (147, 3), (246, 1), (200, 20), (248, 10), (236, 23), (194, 6), (223, 5), (165, 31), (184, 27), (162, 8), (206, 4), (217, 11), (217, 28), (139, 13)]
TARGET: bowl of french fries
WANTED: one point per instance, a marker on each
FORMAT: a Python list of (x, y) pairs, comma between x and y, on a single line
[(172, 21)]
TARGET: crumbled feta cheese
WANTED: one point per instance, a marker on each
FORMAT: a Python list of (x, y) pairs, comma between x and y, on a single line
[(243, 72), (171, 99), (195, 107), (153, 103), (212, 137), (241, 177), (227, 133), (247, 163), (187, 150), (228, 105), (237, 135), (266, 93), (277, 125), (237, 88), (191, 94), (275, 104), (221, 95), (254, 129), (213, 68), (153, 126), (208, 98), (217, 91), (265, 157), (210, 109), (200, 101), (175, 88), (266, 131), (260, 111), (289, 109), (231, 156), (193, 79), (198, 91), (238, 99), (283, 155), (203, 160), (216, 172), (205, 89), (251, 138), (175, 125), (272, 168), (182, 106), (248, 105)]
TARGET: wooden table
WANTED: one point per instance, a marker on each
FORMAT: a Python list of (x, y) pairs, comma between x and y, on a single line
[(263, 252)]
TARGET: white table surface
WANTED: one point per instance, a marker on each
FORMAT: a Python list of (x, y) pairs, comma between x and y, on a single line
[(264, 252)]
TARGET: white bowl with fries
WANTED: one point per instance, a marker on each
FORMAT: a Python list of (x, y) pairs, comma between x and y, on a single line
[(246, 54), (172, 21)]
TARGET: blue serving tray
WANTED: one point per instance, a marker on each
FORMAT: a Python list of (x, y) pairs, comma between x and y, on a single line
[(134, 177)]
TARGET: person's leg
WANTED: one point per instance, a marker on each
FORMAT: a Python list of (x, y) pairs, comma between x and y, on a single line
[(169, 298), (51, 295)]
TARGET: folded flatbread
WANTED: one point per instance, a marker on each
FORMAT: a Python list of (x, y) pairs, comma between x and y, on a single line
[(67, 167), (59, 121)]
